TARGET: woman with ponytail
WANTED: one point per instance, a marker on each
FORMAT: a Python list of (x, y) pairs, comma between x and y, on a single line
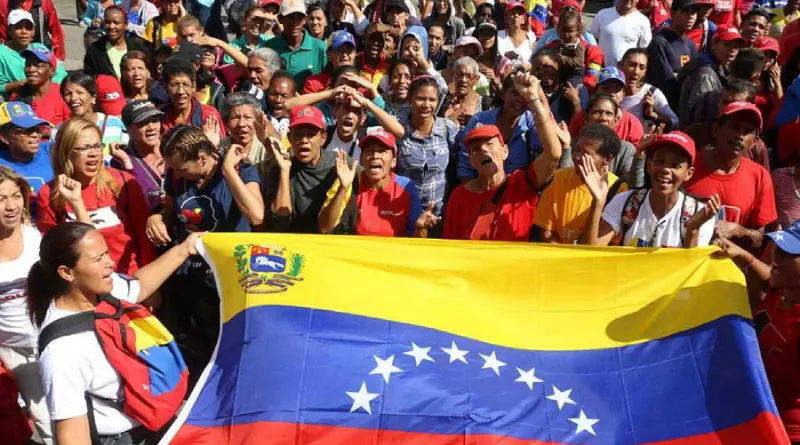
[(75, 269), (19, 249), (85, 190)]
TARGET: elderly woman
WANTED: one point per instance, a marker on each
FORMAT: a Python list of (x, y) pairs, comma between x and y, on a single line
[(464, 102), (516, 42), (40, 91), (249, 128)]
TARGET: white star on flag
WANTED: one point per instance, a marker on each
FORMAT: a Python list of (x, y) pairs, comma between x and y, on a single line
[(419, 354), (491, 362), (456, 354), (778, 236), (561, 397), (385, 367), (584, 423), (528, 377), (362, 398)]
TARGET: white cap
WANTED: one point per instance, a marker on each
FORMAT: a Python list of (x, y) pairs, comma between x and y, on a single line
[(19, 15), (293, 6)]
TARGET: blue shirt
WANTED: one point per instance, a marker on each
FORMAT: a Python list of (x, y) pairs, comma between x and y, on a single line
[(212, 208), (523, 147), (38, 172)]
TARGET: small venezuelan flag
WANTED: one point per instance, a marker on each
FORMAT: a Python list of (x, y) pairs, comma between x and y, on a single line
[(404, 341), (538, 10)]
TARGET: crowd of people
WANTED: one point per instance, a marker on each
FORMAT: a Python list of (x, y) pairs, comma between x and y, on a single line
[(663, 124)]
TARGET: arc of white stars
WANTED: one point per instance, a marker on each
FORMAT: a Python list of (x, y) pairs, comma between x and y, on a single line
[(561, 397), (528, 377), (385, 367), (420, 354), (584, 423), (455, 353), (362, 399), (491, 362)]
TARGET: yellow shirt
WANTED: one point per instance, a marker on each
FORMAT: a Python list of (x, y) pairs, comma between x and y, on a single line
[(169, 35), (565, 205)]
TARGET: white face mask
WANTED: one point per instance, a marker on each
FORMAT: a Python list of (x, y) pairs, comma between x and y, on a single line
[(571, 46)]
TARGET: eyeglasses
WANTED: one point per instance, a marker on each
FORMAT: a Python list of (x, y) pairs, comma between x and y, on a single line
[(84, 149)]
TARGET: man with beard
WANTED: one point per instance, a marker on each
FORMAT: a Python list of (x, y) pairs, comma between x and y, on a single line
[(304, 178), (744, 187), (371, 63), (702, 79), (671, 49), (302, 54)]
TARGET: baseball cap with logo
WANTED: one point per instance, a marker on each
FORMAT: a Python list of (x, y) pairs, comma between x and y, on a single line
[(289, 7), (20, 114), (611, 73), (787, 240), (728, 34), (19, 15), (306, 115), (138, 111), (381, 136), (483, 132), (768, 43), (341, 38), (42, 54), (743, 107), (109, 95), (676, 139)]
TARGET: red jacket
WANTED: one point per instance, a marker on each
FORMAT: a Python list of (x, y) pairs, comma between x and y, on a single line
[(53, 25), (592, 62)]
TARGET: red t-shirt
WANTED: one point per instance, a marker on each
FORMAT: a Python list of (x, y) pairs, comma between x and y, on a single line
[(747, 195), (778, 334), (724, 11), (658, 15), (513, 216), (391, 211), (629, 128), (316, 83), (50, 107), (171, 116), (121, 220)]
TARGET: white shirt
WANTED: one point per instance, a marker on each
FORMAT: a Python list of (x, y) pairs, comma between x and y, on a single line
[(646, 230), (16, 329), (634, 105), (617, 34), (524, 50), (349, 148), (75, 364)]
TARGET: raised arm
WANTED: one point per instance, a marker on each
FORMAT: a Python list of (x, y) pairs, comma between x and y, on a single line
[(235, 53), (152, 276), (386, 120), (246, 194), (597, 231), (336, 202)]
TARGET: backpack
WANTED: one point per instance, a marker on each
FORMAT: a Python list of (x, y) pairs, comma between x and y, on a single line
[(152, 371), (630, 211)]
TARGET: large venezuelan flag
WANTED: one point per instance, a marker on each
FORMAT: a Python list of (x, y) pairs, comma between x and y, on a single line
[(356, 340)]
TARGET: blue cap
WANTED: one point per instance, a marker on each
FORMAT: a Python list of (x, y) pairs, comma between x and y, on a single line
[(611, 73), (788, 240), (43, 54), (20, 114), (341, 38)]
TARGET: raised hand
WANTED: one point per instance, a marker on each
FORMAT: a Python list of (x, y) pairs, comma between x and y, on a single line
[(563, 134), (597, 182), (262, 125), (345, 173), (527, 85), (283, 159), (211, 128), (69, 189), (709, 211), (729, 249), (119, 153), (190, 243), (427, 219), (649, 106), (234, 155)]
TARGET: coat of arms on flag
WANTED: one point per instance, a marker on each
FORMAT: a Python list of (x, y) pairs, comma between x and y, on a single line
[(267, 269)]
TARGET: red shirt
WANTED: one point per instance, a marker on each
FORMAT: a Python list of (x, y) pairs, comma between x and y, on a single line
[(747, 195), (316, 83), (171, 116), (121, 220), (391, 211), (629, 128), (50, 107), (658, 14), (724, 11), (778, 333), (513, 216)]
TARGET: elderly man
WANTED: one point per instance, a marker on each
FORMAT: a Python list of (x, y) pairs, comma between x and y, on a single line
[(464, 101), (262, 63), (304, 55)]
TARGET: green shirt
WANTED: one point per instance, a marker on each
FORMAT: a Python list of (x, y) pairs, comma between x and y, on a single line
[(115, 57), (309, 58), (12, 67), (241, 45)]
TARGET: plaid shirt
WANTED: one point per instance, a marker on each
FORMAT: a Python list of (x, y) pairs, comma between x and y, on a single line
[(424, 159)]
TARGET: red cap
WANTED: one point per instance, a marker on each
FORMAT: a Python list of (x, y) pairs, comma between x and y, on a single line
[(677, 139), (483, 132), (109, 95), (512, 5), (306, 115), (571, 3), (706, 2), (381, 136), (270, 2), (767, 43), (729, 33), (739, 107)]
